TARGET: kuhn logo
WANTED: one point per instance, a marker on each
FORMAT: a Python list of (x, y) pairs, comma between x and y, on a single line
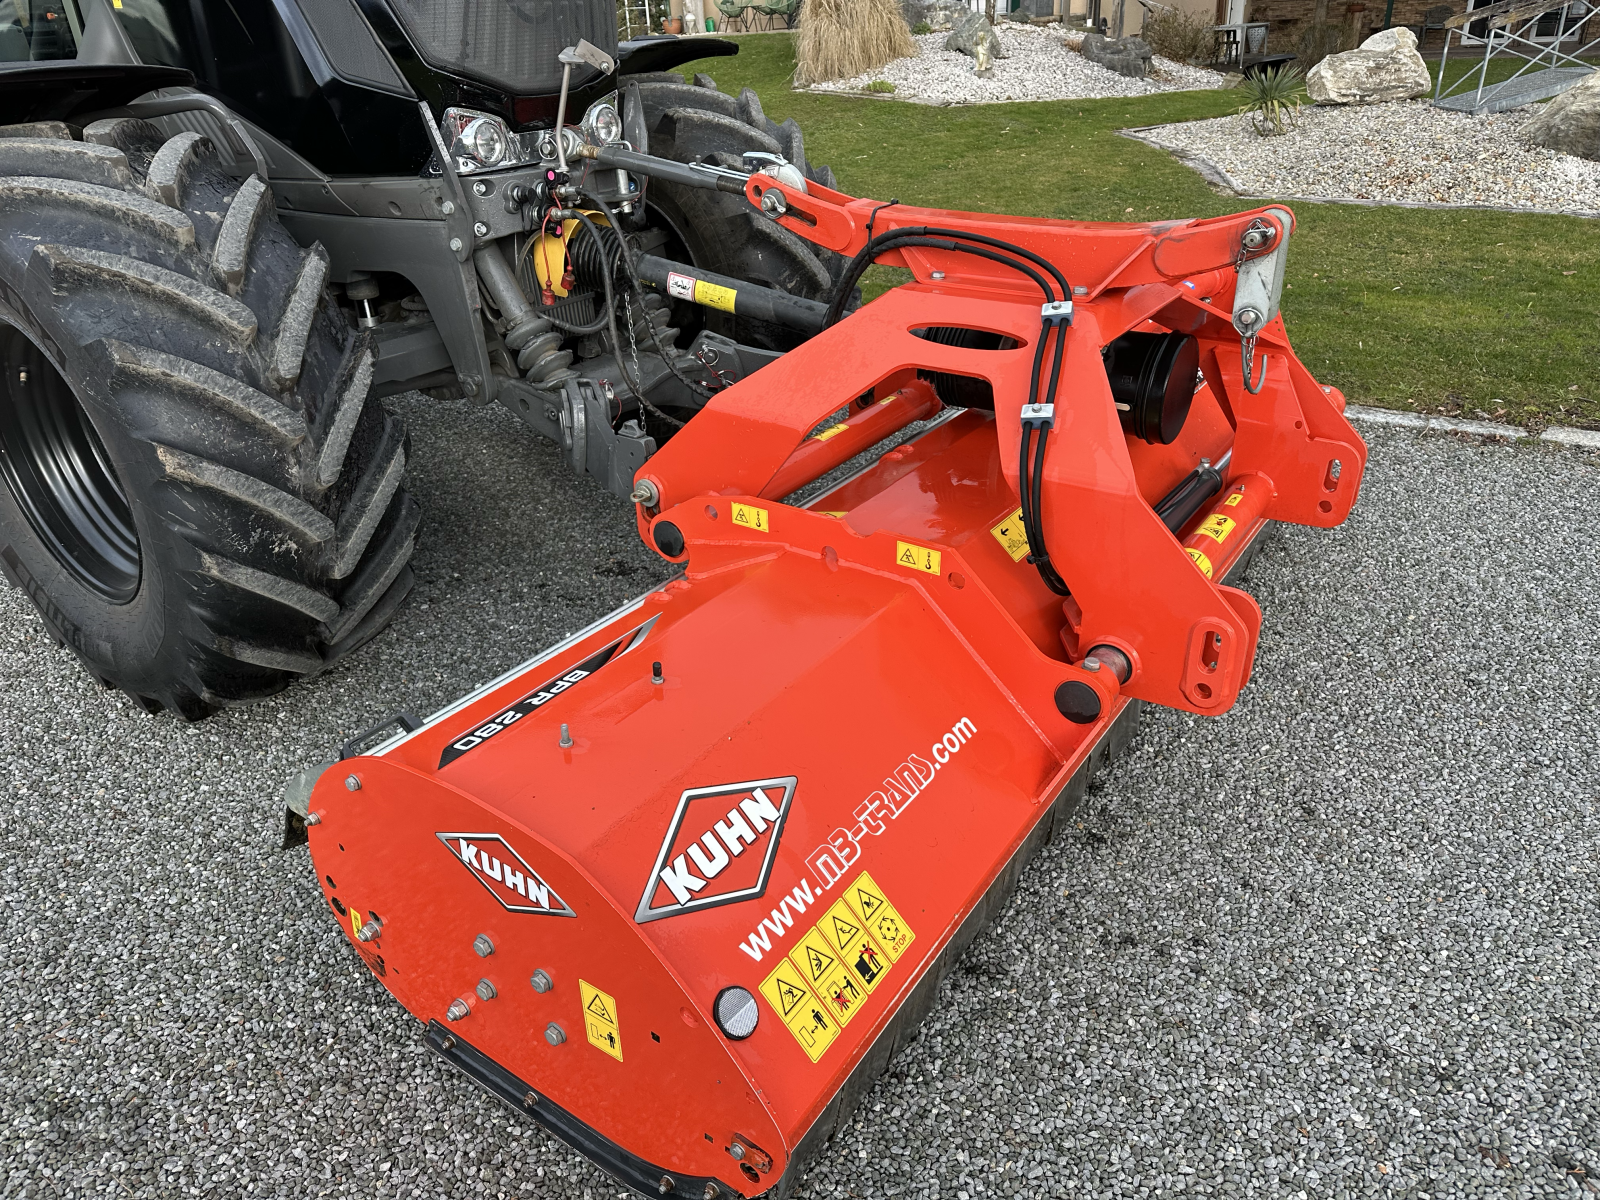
[(503, 871), (719, 847)]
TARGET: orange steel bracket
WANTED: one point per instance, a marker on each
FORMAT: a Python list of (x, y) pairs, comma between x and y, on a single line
[(1190, 639)]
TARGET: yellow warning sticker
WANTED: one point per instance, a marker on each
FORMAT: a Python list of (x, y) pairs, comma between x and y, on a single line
[(355, 922), (1200, 560), (800, 1011), (1010, 535), (825, 971), (1217, 527), (714, 295), (918, 558), (830, 431), (845, 931), (1233, 500), (600, 1020), (748, 516), (825, 512), (869, 903)]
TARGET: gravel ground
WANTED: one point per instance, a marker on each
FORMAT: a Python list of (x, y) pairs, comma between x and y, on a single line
[(1039, 66), (1407, 151), (1337, 943)]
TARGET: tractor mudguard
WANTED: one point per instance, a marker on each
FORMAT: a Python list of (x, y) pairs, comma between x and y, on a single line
[(662, 52), (681, 887)]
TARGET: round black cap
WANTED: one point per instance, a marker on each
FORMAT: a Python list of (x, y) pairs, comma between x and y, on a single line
[(669, 539), (1078, 702)]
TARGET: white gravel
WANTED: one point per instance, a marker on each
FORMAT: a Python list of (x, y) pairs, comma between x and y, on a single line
[(1337, 943), (1407, 151), (1041, 65)]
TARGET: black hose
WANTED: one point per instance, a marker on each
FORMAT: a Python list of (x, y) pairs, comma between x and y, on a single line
[(632, 274)]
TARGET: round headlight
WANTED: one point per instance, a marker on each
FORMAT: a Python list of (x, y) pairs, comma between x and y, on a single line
[(485, 140), (603, 123), (736, 1013)]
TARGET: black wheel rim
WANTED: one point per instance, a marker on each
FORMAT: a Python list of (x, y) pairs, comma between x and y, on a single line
[(60, 474)]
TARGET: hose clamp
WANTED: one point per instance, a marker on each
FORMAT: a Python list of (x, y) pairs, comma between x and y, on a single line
[(1057, 312)]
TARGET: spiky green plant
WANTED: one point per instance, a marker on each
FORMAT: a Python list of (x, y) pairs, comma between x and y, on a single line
[(1272, 98)]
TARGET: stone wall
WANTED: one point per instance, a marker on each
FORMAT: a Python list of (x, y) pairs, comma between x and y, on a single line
[(1363, 18)]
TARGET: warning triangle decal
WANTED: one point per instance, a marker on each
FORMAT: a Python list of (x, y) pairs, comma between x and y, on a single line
[(818, 962), (598, 1007), (793, 997), (843, 931), (867, 902), (908, 558)]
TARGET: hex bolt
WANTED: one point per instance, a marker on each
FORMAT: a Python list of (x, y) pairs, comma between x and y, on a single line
[(655, 673), (566, 736), (736, 1152), (1091, 664), (542, 983), (371, 931), (1334, 468), (666, 1185), (554, 1034), (481, 229), (457, 1010), (455, 245), (447, 207), (482, 945), (711, 1192), (530, 1099), (352, 784), (485, 990), (937, 275), (313, 818), (480, 188)]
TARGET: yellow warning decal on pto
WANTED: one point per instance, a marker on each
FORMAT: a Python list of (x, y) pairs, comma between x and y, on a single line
[(600, 1020), (355, 922), (714, 295), (866, 898), (824, 969), (1233, 500), (918, 558), (748, 516), (1217, 527), (801, 1012), (830, 431), (1013, 540), (1200, 560), (845, 931)]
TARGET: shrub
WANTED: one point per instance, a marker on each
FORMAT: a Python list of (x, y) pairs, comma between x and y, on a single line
[(1181, 36), (841, 38), (1318, 41), (1273, 98), (880, 85), (921, 27)]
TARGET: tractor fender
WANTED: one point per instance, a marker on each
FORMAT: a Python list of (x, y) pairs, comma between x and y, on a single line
[(662, 52)]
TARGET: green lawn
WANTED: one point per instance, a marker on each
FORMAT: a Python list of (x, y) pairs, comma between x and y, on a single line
[(1436, 310)]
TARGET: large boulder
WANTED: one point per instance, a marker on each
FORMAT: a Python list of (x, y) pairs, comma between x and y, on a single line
[(1128, 56), (943, 14), (1571, 122), (972, 34), (1384, 67)]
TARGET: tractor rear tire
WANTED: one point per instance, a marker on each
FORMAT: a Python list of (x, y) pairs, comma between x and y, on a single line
[(724, 233), (200, 497)]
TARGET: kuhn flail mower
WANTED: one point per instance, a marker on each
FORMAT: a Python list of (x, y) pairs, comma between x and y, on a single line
[(680, 887)]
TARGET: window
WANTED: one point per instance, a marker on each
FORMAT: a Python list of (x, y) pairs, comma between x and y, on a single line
[(39, 30), (162, 33)]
